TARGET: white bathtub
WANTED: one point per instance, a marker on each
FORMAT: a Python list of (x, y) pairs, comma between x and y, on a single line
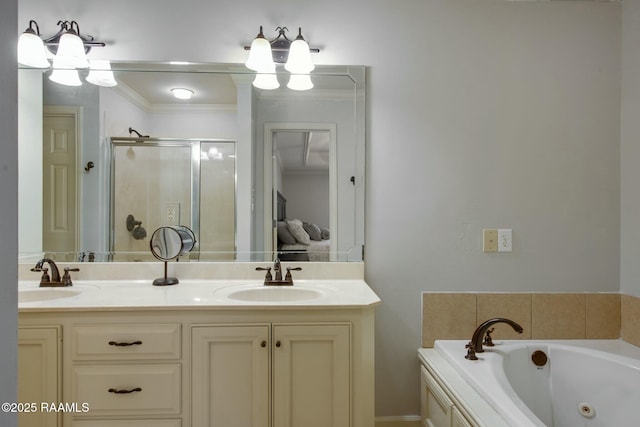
[(585, 383)]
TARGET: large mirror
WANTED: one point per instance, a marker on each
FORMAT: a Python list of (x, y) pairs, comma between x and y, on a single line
[(247, 169)]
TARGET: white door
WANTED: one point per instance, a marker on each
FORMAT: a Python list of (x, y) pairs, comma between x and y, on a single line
[(59, 204)]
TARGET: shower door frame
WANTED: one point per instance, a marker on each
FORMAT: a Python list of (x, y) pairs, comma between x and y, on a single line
[(195, 149)]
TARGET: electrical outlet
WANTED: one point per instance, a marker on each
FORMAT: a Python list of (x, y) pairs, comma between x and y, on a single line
[(505, 241), (489, 240), (173, 213)]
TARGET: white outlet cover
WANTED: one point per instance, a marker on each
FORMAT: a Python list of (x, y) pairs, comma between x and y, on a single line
[(505, 240)]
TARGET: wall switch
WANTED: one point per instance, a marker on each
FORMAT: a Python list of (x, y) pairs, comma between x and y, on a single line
[(505, 241), (489, 240), (173, 213)]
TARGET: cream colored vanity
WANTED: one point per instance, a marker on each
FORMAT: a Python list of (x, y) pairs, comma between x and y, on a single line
[(134, 355)]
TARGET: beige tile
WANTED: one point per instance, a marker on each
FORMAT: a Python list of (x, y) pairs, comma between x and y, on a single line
[(602, 316), (513, 306), (558, 316), (630, 314), (447, 316)]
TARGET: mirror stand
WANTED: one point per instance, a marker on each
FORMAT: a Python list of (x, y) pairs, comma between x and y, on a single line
[(165, 281)]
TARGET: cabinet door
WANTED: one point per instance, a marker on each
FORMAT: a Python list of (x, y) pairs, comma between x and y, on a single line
[(311, 375), (436, 406), (230, 376), (458, 420), (38, 373)]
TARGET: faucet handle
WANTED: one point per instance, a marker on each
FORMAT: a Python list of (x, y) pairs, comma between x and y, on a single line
[(471, 351), (268, 276), (66, 278), (288, 276), (45, 275), (487, 338)]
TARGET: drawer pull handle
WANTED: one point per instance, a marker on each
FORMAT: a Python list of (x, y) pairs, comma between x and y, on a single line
[(263, 344), (278, 344), (125, 344), (113, 390)]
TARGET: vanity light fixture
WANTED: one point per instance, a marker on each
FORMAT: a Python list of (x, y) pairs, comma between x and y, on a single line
[(295, 55), (182, 93), (68, 49)]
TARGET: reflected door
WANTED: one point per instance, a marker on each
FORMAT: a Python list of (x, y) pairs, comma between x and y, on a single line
[(59, 183)]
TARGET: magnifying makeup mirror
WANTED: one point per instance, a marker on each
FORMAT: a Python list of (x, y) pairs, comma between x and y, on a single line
[(169, 243)]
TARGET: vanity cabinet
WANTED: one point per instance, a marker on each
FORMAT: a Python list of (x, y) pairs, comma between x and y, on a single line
[(199, 367), (284, 375), (39, 371)]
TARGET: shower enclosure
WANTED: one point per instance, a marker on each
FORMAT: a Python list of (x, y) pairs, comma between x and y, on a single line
[(164, 182)]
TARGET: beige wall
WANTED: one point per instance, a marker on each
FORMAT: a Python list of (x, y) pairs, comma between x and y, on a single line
[(455, 315)]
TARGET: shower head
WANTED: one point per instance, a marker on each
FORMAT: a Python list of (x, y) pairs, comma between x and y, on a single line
[(139, 233)]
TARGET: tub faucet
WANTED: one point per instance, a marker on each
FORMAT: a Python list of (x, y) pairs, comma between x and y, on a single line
[(475, 345)]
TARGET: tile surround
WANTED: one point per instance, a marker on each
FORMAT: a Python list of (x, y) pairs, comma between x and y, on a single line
[(542, 315)]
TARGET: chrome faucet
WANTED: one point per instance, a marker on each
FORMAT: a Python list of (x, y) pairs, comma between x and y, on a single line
[(475, 345), (54, 280), (276, 279)]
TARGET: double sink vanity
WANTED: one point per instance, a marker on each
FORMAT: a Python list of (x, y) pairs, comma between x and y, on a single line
[(206, 352)]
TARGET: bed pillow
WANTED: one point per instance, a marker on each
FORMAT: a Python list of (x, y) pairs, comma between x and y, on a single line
[(284, 235), (295, 227), (324, 233), (312, 230)]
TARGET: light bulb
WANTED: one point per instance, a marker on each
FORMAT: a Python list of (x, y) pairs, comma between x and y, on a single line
[(182, 93), (31, 50), (100, 73), (71, 50), (300, 82), (64, 74), (260, 55), (299, 60)]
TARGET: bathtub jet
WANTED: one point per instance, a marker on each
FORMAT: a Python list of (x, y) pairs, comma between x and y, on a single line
[(475, 345)]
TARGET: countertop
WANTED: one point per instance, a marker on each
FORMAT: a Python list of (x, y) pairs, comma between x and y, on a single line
[(91, 295)]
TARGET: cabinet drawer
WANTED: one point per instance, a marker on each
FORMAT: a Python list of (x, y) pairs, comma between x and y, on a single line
[(127, 389), (125, 341), (127, 423)]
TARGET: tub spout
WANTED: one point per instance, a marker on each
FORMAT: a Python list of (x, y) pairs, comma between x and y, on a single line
[(475, 345)]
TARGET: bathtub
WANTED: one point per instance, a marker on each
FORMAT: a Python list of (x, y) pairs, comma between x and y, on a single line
[(582, 383)]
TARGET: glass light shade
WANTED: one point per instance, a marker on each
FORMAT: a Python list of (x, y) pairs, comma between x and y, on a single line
[(64, 74), (31, 51), (300, 82), (299, 60), (71, 50), (260, 56), (100, 73), (182, 93), (268, 81)]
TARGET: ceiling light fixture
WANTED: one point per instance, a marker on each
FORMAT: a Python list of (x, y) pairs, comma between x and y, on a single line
[(182, 93), (69, 49), (295, 55)]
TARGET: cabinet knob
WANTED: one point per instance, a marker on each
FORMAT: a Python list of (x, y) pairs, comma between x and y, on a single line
[(263, 344), (113, 390), (278, 343), (125, 344)]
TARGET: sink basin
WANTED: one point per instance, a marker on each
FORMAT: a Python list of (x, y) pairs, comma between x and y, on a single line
[(46, 294), (274, 294)]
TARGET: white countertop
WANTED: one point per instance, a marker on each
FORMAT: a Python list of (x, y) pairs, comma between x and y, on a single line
[(92, 295)]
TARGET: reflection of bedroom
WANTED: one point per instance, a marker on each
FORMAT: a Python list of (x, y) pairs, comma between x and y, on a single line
[(302, 180)]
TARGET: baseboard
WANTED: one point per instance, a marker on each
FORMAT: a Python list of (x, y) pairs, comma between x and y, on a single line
[(403, 421)]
